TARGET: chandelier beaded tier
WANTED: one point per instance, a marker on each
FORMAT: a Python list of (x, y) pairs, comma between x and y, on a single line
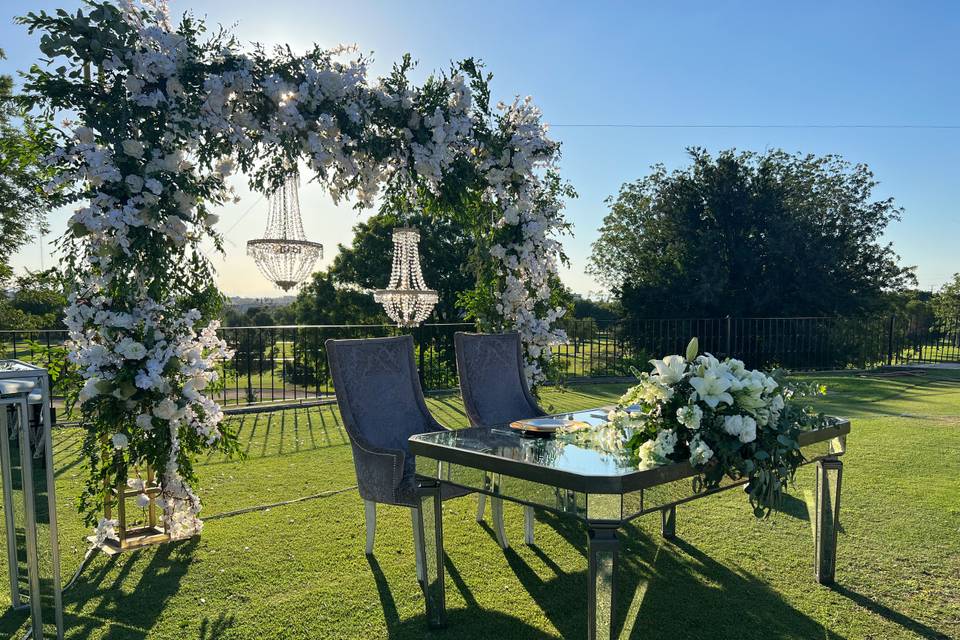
[(284, 255), (407, 300)]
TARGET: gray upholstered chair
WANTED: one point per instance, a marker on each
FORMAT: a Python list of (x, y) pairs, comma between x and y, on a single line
[(381, 403), (495, 392)]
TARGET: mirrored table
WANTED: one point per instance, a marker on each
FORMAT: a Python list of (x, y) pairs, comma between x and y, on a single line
[(603, 489)]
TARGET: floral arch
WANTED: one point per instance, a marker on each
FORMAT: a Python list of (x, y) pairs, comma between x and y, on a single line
[(163, 115)]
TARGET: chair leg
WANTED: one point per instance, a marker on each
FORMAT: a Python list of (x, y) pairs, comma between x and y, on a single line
[(528, 524), (496, 510), (481, 506), (417, 545), (370, 517)]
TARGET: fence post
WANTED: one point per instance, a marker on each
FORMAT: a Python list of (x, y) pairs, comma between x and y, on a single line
[(727, 351), (890, 339), (420, 367)]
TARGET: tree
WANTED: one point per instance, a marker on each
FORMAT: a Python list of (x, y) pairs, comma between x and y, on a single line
[(599, 310), (946, 303), (24, 141), (341, 293), (37, 302), (750, 234)]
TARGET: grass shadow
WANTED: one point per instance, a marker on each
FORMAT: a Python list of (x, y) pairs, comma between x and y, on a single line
[(897, 618), (134, 611)]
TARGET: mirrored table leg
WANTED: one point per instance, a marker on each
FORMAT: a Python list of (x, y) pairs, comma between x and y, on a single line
[(668, 522), (829, 475), (603, 549), (431, 550)]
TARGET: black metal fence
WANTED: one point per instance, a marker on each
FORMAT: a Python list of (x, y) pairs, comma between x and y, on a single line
[(814, 343), (284, 364)]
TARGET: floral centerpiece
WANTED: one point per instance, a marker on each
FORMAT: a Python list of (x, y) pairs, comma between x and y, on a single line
[(723, 418)]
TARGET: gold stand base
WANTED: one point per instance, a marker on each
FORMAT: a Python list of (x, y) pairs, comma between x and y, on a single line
[(134, 539)]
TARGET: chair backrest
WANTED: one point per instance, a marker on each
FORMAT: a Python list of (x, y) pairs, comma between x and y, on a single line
[(378, 390), (492, 381)]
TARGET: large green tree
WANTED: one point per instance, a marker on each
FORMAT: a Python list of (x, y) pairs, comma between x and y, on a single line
[(341, 293), (750, 234), (946, 303), (24, 141)]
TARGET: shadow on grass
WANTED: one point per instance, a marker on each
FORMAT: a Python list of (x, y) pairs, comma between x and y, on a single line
[(12, 620), (217, 628), (908, 623), (472, 622), (132, 613), (672, 587)]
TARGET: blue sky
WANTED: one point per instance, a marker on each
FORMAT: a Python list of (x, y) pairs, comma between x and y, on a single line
[(683, 63)]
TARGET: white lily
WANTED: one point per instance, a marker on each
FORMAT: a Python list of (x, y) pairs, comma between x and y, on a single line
[(671, 369), (712, 388)]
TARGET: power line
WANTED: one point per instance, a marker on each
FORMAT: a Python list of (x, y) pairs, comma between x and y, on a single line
[(244, 215), (758, 126)]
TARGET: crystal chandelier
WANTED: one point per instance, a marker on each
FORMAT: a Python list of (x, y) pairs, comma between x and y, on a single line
[(284, 255), (407, 300)]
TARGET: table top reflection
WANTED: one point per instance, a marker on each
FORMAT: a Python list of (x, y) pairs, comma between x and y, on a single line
[(557, 459)]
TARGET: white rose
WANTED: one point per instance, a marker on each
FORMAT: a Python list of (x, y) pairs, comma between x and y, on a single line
[(84, 134), (145, 421), (89, 389), (154, 185), (133, 148), (120, 441), (131, 349), (690, 416), (135, 183), (174, 87), (166, 409), (143, 501)]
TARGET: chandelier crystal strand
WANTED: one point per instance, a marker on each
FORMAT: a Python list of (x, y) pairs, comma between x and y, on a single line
[(284, 255), (407, 300)]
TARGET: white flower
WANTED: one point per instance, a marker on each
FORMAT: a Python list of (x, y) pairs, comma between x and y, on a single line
[(143, 501), (89, 389), (671, 369), (225, 166), (690, 416), (744, 427), (776, 402), (174, 87), (131, 349), (712, 388), (120, 441), (106, 530), (655, 452), (153, 185), (133, 148), (166, 409), (137, 484), (145, 421), (700, 452), (135, 183), (84, 135)]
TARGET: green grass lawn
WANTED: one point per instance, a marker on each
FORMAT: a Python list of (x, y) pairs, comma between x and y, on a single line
[(299, 571)]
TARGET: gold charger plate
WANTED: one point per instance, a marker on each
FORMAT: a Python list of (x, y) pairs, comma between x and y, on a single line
[(546, 425)]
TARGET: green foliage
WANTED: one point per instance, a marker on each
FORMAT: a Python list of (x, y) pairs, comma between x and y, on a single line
[(25, 139), (946, 304), (748, 234), (37, 302), (599, 310), (341, 294)]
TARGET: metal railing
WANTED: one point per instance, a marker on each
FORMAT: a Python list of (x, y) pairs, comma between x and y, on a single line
[(289, 363)]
